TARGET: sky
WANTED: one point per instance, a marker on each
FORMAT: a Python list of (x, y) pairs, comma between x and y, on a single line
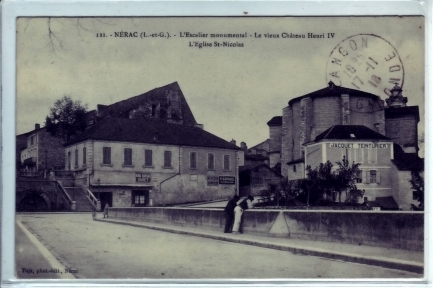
[(232, 91)]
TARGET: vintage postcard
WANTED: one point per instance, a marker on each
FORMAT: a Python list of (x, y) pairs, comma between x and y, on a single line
[(225, 148)]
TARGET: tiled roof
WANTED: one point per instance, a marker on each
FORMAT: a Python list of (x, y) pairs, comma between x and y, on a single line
[(252, 167), (256, 157), (386, 203), (334, 91), (151, 131), (119, 109), (350, 132), (276, 121)]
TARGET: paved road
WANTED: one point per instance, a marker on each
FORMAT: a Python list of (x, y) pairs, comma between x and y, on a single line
[(103, 250)]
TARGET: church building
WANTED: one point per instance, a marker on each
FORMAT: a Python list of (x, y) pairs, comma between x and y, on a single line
[(337, 122)]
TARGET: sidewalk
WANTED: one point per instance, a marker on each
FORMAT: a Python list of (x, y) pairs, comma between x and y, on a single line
[(411, 261)]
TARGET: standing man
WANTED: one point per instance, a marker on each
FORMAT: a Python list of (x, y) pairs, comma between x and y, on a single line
[(241, 205), (229, 213)]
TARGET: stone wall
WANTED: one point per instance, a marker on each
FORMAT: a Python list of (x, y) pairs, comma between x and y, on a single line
[(403, 131), (403, 230)]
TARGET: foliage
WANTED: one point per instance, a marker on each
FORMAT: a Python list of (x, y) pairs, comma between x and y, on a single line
[(324, 182), (289, 191), (417, 183), (66, 118), (345, 180)]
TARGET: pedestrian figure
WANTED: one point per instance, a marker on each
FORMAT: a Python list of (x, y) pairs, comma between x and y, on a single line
[(106, 210), (94, 214), (229, 213), (241, 205)]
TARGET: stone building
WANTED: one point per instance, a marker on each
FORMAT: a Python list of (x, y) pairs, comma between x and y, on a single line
[(307, 117), (165, 103), (139, 162), (39, 151), (258, 179)]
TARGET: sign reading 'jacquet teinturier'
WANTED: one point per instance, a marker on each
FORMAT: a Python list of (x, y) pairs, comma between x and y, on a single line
[(359, 145)]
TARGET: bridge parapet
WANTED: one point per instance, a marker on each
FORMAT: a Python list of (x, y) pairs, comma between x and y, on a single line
[(392, 229)]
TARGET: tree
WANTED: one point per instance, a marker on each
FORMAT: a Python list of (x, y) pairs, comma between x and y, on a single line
[(323, 182), (66, 118), (345, 180), (417, 183)]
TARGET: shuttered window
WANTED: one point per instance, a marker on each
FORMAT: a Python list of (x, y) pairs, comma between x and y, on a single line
[(226, 162), (106, 157), (358, 177), (84, 155), (371, 176), (148, 161), (76, 158), (167, 159), (211, 161), (372, 155), (193, 160), (127, 156)]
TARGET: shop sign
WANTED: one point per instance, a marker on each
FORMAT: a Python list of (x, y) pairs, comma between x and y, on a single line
[(212, 181), (358, 145), (227, 180), (142, 177), (122, 194)]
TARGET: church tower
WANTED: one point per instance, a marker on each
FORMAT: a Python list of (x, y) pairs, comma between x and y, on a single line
[(401, 121)]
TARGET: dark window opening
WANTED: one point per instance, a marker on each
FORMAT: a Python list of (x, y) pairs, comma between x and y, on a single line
[(106, 155)]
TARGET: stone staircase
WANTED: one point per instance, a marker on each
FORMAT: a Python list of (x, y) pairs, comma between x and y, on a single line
[(83, 203)]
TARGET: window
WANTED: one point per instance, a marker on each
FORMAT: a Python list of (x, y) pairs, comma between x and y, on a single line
[(358, 177), (211, 161), (106, 157), (31, 140), (167, 159), (148, 162), (193, 160), (372, 155), (414, 195), (84, 156), (226, 162), (127, 156), (69, 160), (139, 199), (76, 157), (358, 155), (294, 168), (373, 178)]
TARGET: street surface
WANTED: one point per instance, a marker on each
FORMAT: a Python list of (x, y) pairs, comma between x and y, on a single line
[(92, 249)]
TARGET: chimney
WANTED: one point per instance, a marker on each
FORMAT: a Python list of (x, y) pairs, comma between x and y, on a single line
[(233, 142), (101, 110), (201, 126), (37, 126), (244, 146)]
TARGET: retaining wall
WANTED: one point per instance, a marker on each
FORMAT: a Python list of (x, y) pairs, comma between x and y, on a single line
[(403, 230)]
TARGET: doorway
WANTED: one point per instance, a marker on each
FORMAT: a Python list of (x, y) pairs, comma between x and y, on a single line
[(105, 198)]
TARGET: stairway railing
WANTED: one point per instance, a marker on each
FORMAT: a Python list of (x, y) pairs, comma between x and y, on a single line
[(92, 198), (68, 198)]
